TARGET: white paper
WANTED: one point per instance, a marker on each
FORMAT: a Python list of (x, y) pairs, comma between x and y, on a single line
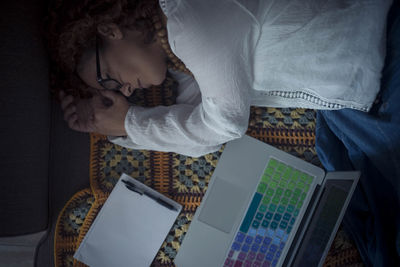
[(129, 229)]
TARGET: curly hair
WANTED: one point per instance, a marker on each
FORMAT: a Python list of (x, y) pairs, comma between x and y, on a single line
[(72, 29)]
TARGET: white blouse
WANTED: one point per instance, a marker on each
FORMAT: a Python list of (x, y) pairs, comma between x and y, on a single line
[(282, 53)]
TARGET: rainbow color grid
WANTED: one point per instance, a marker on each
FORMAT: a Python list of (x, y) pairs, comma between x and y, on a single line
[(270, 217)]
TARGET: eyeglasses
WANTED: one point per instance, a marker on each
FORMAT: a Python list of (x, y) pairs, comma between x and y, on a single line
[(109, 83)]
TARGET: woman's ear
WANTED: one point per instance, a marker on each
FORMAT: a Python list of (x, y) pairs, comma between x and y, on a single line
[(110, 31)]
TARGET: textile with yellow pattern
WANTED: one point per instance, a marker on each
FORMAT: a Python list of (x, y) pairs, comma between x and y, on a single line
[(181, 178)]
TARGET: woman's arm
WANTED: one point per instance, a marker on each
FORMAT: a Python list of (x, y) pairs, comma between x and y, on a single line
[(195, 126), (181, 128)]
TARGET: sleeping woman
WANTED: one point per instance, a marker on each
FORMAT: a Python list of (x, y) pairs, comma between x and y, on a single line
[(230, 54)]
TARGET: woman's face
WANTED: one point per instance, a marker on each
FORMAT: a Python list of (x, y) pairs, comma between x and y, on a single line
[(125, 58)]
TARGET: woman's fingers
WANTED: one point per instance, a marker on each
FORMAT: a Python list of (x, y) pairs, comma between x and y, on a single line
[(79, 125), (79, 116), (72, 121), (66, 101), (70, 110)]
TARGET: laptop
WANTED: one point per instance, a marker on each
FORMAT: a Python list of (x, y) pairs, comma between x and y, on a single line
[(265, 207)]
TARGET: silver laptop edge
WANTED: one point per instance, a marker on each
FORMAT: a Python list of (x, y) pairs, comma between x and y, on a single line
[(343, 175), (352, 176)]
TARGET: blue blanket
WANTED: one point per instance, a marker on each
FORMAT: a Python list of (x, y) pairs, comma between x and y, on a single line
[(370, 142)]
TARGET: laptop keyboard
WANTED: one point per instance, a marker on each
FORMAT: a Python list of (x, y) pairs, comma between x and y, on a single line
[(270, 217)]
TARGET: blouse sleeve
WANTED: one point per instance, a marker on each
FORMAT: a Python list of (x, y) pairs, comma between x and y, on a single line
[(195, 126)]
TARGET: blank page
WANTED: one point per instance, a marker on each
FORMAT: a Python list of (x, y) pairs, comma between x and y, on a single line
[(129, 229)]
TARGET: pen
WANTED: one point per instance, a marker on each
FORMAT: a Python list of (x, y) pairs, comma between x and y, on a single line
[(134, 188)]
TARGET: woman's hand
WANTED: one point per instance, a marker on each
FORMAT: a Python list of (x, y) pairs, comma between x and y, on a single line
[(104, 113)]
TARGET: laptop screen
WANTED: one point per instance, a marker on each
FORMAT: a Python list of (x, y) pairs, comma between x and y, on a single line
[(319, 233)]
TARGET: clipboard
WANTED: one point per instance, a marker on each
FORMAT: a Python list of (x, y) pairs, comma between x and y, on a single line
[(130, 227)]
